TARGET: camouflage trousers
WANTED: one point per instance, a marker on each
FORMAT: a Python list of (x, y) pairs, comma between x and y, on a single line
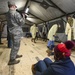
[(15, 46)]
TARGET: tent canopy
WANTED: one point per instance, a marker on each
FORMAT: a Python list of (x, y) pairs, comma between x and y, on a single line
[(40, 10)]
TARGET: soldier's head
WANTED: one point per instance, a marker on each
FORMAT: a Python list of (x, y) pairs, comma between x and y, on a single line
[(11, 4)]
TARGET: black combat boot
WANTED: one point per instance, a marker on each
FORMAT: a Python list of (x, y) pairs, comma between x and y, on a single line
[(12, 62)]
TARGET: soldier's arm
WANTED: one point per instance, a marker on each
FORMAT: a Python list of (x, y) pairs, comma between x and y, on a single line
[(20, 20)]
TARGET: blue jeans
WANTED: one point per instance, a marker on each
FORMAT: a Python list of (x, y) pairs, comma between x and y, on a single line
[(42, 65), (50, 45)]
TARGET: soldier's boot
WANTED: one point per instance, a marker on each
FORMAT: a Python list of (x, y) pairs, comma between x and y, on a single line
[(12, 62), (18, 56)]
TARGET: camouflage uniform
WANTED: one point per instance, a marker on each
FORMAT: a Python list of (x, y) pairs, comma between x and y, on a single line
[(14, 22)]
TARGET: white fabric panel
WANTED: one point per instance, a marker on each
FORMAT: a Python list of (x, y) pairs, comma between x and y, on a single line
[(66, 5), (45, 14)]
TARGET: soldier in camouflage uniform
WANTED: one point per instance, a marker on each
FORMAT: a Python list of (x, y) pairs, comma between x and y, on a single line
[(14, 22)]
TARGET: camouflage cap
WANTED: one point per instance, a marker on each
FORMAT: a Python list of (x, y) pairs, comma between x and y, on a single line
[(11, 3)]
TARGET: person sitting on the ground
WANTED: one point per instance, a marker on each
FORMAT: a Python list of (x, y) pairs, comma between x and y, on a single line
[(62, 65)]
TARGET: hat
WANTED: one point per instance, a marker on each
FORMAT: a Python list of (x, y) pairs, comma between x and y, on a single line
[(69, 44), (65, 48), (11, 3)]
